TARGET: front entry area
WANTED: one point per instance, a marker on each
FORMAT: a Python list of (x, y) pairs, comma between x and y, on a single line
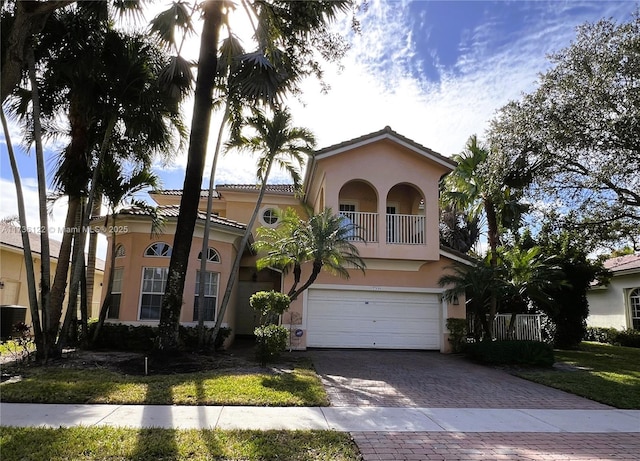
[(339, 318)]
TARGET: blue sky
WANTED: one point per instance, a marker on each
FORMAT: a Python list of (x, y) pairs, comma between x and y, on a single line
[(435, 71)]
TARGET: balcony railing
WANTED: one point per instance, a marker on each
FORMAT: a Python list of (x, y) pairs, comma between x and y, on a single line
[(407, 229), (403, 229), (365, 225)]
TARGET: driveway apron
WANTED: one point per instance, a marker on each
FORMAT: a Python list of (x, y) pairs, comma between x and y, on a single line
[(421, 379), (425, 379)]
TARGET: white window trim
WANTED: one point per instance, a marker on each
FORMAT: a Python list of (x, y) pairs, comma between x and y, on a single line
[(355, 204), (141, 293), (157, 256), (209, 260), (115, 269), (121, 251), (262, 212), (215, 306), (631, 296)]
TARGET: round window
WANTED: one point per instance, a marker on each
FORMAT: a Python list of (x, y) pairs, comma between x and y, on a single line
[(270, 216)]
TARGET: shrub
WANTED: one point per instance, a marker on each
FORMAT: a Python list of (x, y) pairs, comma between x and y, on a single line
[(601, 335), (141, 338), (270, 304), (457, 333), (190, 337), (534, 353), (628, 338), (271, 341)]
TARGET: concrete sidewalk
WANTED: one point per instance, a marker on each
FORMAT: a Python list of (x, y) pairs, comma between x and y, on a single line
[(350, 419)]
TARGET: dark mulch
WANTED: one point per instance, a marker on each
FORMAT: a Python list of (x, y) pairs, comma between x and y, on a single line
[(240, 358)]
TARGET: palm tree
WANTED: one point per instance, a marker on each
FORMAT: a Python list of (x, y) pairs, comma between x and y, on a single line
[(325, 240), (118, 188), (26, 245), (117, 102), (473, 187), (480, 284), (458, 230), (287, 34), (278, 144)]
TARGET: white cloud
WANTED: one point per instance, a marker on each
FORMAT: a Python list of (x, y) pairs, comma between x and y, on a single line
[(56, 212)]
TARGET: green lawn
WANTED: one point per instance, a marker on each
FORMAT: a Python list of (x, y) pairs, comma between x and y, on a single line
[(301, 387), (107, 443), (607, 374)]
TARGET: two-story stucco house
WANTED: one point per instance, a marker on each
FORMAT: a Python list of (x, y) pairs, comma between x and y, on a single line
[(382, 182)]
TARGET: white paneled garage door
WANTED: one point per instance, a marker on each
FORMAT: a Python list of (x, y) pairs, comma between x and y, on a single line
[(373, 319)]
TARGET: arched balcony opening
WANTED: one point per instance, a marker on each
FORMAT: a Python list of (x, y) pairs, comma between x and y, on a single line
[(358, 204), (405, 215)]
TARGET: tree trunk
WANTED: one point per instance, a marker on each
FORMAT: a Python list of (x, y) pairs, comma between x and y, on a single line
[(106, 304), (207, 65), (205, 239), (493, 239), (317, 267), (45, 251), (70, 324), (91, 256), (235, 269), (59, 288), (26, 247), (79, 262)]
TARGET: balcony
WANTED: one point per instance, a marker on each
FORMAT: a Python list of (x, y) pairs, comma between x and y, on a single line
[(365, 225), (405, 229), (401, 229)]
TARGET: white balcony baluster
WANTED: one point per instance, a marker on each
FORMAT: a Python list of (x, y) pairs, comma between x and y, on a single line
[(366, 225), (407, 229)]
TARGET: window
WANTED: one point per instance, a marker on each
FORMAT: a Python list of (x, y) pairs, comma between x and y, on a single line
[(154, 280), (159, 249), (348, 213), (269, 216), (120, 252), (634, 304), (116, 294), (210, 296), (347, 207), (212, 256)]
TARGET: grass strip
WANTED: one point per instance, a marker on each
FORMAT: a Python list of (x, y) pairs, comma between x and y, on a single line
[(600, 372), (108, 443), (300, 387)]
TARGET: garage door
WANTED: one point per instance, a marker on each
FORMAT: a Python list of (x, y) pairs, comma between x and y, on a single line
[(373, 319)]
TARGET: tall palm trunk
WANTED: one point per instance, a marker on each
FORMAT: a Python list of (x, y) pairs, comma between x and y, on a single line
[(69, 335), (207, 65), (59, 287), (207, 226), (235, 269), (26, 246), (91, 255), (493, 240), (45, 252), (106, 303), (79, 264)]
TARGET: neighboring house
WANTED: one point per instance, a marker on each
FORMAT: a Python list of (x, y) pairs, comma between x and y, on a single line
[(14, 293), (617, 305), (382, 182)]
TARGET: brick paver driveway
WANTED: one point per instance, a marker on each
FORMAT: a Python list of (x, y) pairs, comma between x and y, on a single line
[(426, 379), (434, 380)]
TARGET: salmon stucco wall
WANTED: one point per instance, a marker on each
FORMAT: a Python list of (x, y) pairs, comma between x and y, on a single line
[(137, 239), (380, 274)]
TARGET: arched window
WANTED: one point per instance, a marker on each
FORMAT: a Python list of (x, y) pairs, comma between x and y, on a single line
[(212, 256), (120, 251), (158, 249), (634, 305)]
